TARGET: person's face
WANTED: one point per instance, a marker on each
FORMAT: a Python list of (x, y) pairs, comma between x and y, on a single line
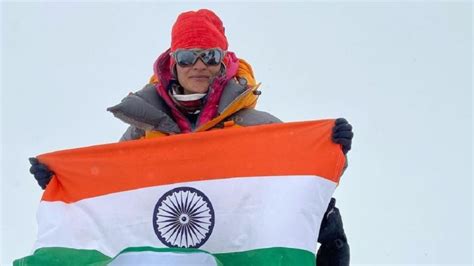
[(196, 78)]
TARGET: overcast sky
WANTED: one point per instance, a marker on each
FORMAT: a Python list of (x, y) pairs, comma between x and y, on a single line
[(400, 72)]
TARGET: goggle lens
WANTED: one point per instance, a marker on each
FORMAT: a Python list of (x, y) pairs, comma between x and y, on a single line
[(211, 57)]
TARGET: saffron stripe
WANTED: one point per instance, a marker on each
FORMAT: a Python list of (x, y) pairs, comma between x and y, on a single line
[(298, 148)]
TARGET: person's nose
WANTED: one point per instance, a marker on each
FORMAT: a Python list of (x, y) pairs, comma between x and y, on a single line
[(199, 65)]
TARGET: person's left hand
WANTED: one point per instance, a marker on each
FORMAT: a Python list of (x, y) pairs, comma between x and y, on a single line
[(342, 134), (331, 225), (334, 248)]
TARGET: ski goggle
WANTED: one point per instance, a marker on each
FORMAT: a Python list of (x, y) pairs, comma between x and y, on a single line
[(210, 57)]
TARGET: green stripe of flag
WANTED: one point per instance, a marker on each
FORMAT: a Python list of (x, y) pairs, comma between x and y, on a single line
[(268, 257), (63, 256), (56, 256)]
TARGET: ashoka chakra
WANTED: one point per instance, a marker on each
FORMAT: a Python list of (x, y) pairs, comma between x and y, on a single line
[(183, 217)]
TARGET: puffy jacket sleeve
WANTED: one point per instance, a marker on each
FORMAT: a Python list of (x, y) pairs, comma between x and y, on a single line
[(252, 117), (132, 133)]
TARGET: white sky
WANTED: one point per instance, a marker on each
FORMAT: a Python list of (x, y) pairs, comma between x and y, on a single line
[(400, 72)]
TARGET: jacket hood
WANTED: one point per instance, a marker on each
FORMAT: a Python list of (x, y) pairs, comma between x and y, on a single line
[(162, 72), (151, 109)]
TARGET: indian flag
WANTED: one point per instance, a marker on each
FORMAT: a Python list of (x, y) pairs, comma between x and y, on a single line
[(246, 196)]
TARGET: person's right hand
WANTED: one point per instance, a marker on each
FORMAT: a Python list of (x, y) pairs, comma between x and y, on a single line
[(41, 172)]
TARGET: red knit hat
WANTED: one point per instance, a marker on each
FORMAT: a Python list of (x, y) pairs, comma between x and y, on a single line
[(198, 29)]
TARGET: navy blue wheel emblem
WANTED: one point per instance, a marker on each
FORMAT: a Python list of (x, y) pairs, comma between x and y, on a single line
[(183, 217)]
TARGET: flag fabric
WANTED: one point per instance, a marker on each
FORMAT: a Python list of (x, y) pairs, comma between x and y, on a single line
[(246, 196)]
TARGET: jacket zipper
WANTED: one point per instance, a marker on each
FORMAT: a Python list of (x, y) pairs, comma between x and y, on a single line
[(199, 129)]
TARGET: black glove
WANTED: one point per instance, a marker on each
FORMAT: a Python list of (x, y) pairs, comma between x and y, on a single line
[(334, 248), (331, 226), (41, 172), (342, 134)]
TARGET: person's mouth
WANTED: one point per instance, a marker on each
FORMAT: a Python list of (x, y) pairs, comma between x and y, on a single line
[(199, 77)]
